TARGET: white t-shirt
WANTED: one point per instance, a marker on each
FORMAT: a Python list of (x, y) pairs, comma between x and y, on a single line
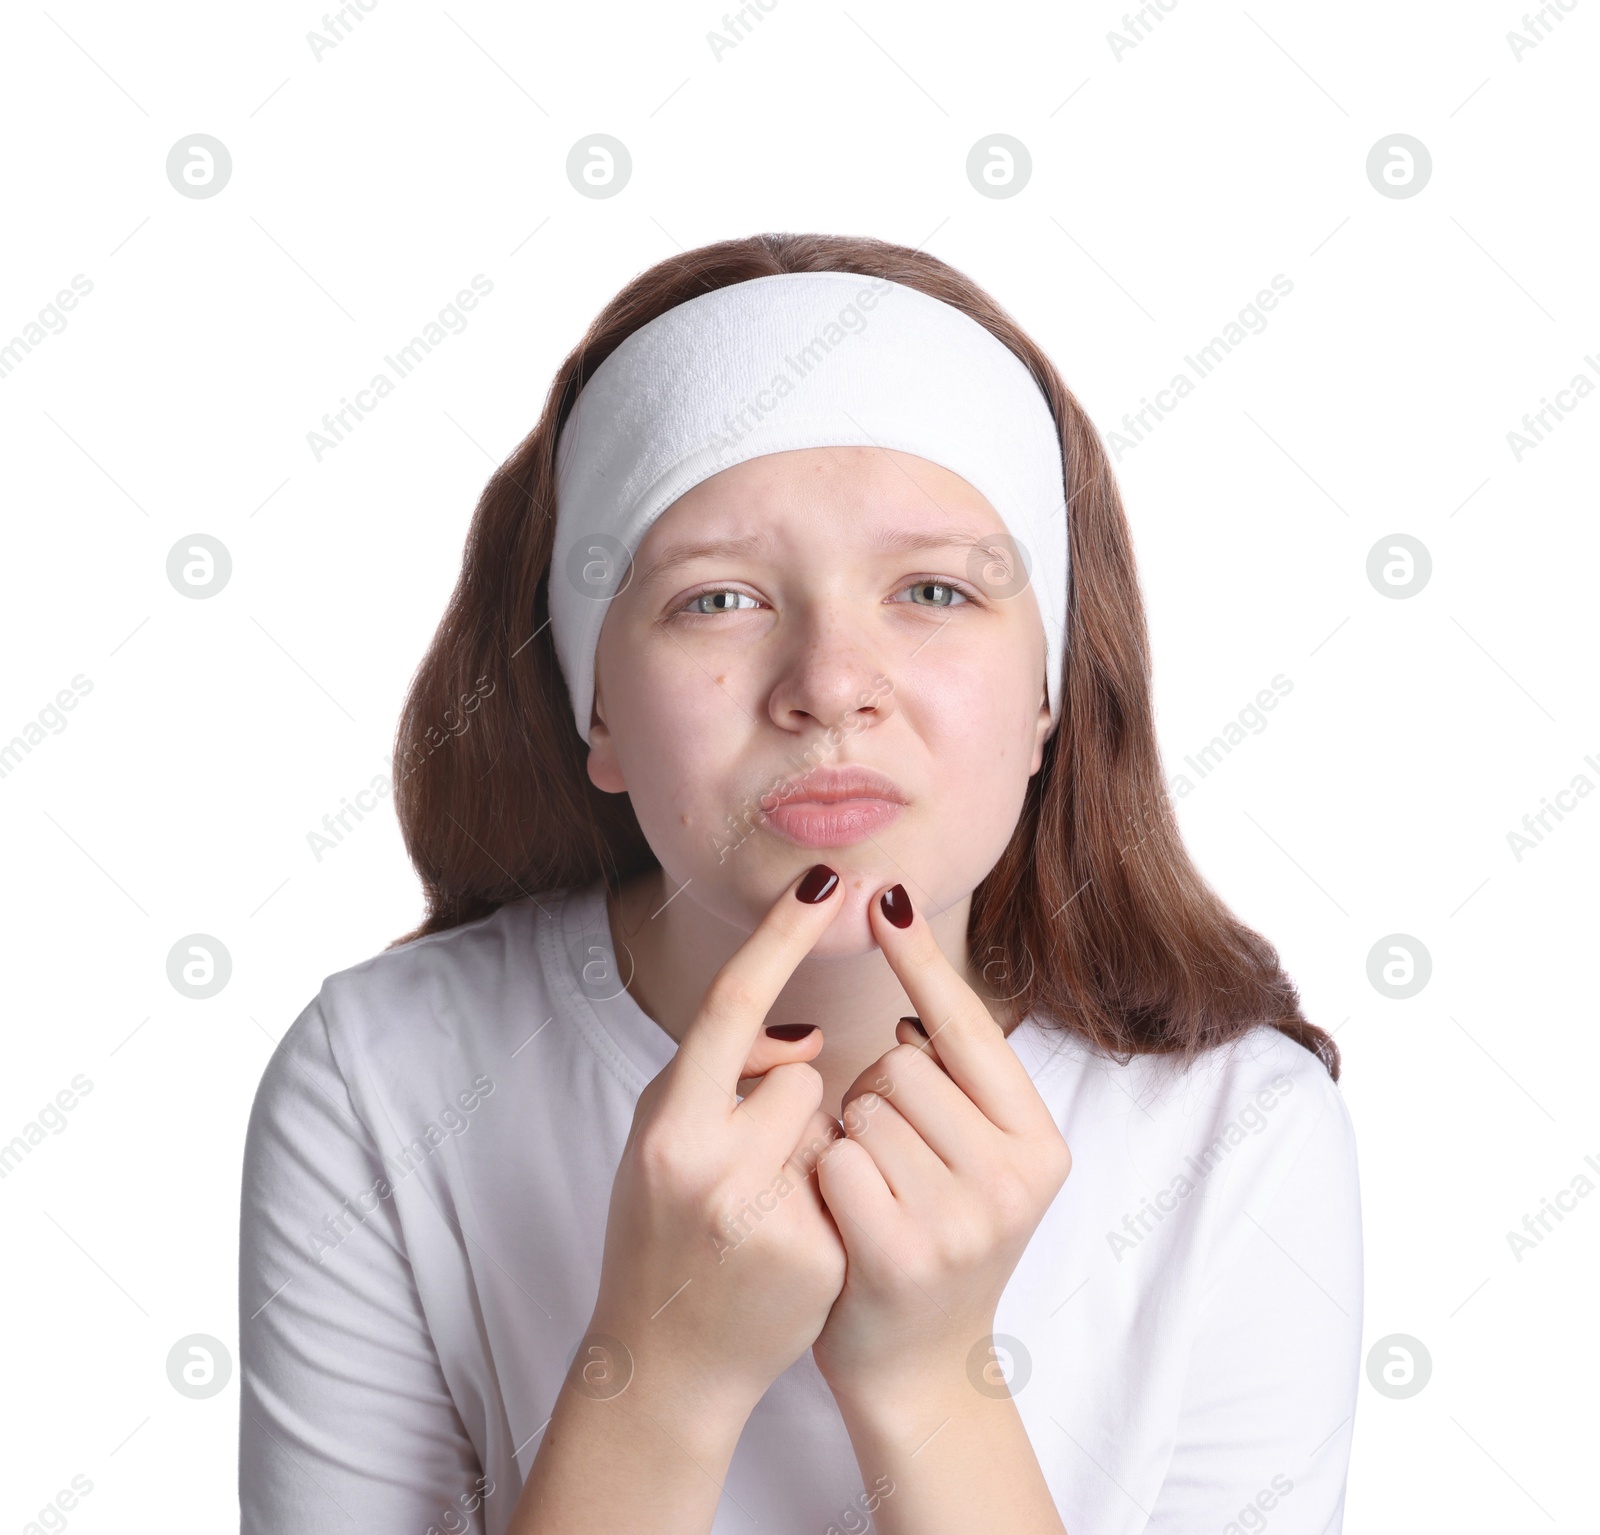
[(426, 1180)]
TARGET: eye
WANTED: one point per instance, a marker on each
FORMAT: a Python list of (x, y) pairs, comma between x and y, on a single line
[(720, 602), (932, 594)]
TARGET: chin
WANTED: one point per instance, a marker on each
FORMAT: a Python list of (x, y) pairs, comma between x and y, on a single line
[(850, 933), (865, 877)]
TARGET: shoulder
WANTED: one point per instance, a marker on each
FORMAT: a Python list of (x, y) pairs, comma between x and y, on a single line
[(473, 954), (425, 1010), (1268, 1070), (1207, 1147), (1265, 1066), (1272, 1144), (1266, 1096), (1261, 1075), (449, 985), (1261, 1072)]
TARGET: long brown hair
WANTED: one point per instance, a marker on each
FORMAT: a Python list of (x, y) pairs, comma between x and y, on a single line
[(1094, 919)]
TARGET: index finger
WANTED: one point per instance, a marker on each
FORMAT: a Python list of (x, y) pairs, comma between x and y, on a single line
[(716, 1045), (971, 1046)]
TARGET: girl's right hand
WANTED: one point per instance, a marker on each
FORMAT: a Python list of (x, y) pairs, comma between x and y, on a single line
[(721, 1262)]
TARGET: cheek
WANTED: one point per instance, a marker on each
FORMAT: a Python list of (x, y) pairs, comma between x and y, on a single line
[(977, 725), (979, 706), (679, 739), (981, 776)]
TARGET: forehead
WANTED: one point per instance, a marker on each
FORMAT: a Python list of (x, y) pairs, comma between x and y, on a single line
[(853, 492)]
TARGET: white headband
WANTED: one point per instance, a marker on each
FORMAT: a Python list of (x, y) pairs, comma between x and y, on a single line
[(799, 360)]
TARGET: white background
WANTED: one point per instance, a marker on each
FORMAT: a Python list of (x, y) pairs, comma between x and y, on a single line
[(1168, 186)]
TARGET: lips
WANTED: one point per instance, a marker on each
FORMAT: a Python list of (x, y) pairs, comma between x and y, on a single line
[(833, 806), (837, 785)]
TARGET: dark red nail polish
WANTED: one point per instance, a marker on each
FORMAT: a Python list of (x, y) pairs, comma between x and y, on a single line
[(916, 1023), (817, 886), (896, 905), (790, 1031)]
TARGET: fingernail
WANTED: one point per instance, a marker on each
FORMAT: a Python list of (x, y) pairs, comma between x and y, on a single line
[(790, 1031), (896, 905), (916, 1023), (817, 886)]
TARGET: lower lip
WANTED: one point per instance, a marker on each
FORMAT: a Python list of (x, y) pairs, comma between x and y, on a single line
[(815, 823)]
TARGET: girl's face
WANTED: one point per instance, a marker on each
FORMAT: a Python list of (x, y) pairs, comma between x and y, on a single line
[(823, 656)]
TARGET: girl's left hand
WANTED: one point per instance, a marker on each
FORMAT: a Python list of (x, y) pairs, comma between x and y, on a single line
[(948, 1163)]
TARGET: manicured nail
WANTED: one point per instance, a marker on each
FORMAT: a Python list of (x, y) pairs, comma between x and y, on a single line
[(817, 886), (896, 905), (790, 1031), (916, 1023)]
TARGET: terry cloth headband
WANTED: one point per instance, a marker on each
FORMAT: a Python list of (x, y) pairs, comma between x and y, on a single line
[(799, 360)]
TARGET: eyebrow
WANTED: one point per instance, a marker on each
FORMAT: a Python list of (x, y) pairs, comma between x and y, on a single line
[(900, 541)]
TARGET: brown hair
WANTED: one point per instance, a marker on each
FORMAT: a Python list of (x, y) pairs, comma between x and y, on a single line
[(1094, 918)]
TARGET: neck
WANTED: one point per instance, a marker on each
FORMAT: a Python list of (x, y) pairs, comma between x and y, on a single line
[(677, 947)]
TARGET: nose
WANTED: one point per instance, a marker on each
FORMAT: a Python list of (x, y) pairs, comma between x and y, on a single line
[(831, 678)]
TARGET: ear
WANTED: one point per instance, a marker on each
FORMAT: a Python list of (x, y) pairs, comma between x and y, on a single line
[(1042, 731), (605, 772)]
